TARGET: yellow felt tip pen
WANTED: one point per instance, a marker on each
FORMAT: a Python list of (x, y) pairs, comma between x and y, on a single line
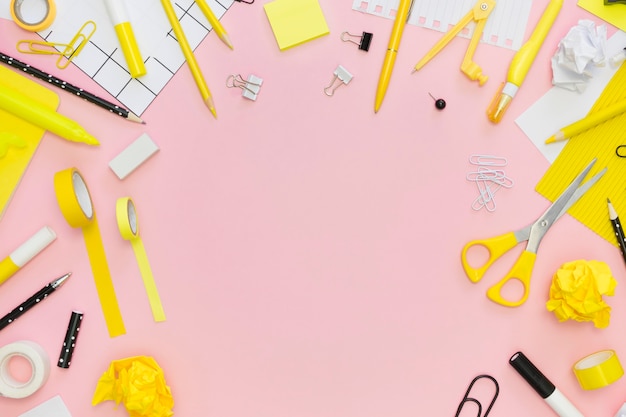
[(128, 42), (29, 109), (522, 61)]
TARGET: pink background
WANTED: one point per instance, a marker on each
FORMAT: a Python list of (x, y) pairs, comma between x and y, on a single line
[(307, 250)]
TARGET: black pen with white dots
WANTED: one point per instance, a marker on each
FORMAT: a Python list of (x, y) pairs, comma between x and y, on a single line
[(35, 299)]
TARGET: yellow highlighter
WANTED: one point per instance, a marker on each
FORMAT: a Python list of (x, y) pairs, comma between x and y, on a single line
[(30, 110), (522, 61), (124, 31)]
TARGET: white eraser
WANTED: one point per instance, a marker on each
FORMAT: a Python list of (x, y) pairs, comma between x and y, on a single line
[(134, 155), (622, 411), (31, 248)]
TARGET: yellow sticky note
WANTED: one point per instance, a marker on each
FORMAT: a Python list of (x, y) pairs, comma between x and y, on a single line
[(615, 14), (295, 21), (19, 139)]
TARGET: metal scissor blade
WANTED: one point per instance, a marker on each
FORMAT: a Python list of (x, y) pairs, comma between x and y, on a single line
[(568, 197)]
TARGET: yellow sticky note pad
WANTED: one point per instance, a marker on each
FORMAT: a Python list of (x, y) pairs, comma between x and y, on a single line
[(19, 139), (295, 21), (615, 14)]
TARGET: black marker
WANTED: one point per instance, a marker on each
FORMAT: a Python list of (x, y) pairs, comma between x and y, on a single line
[(546, 389)]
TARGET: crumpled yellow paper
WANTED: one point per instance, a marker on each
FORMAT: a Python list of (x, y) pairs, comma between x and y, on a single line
[(577, 289), (139, 383)]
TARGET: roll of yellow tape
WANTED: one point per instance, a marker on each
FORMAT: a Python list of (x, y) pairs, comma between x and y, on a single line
[(598, 370), (129, 229), (47, 15), (77, 208)]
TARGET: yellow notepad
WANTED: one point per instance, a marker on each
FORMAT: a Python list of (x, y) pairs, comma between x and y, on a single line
[(614, 14), (295, 21), (19, 139), (599, 142)]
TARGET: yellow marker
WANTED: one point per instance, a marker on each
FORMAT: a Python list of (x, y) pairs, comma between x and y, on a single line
[(522, 61), (123, 29), (586, 123), (25, 252), (215, 22), (189, 56), (32, 111), (77, 208), (129, 229)]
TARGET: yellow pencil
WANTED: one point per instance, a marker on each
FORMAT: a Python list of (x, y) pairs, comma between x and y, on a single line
[(189, 56), (32, 111), (588, 122), (214, 21)]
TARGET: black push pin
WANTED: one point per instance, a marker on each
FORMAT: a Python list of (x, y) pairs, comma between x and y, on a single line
[(364, 43), (439, 102)]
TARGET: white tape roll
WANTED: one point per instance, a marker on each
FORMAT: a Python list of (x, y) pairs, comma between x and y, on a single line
[(39, 363)]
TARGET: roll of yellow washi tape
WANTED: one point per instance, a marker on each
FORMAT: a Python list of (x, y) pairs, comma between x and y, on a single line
[(598, 370), (129, 229), (77, 208), (43, 18)]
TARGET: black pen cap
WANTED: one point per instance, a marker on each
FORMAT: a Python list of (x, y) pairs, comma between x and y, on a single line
[(532, 375), (69, 343)]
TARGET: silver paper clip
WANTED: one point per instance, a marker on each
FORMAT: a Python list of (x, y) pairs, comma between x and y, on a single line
[(341, 76), (364, 40), (250, 87)]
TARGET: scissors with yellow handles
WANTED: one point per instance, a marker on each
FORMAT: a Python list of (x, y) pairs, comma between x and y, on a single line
[(532, 234)]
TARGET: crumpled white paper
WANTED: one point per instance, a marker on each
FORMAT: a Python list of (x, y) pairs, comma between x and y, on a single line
[(579, 52)]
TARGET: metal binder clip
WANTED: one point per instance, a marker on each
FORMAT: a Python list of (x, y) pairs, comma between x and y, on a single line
[(243, 1), (364, 43), (342, 75), (250, 88), (467, 398)]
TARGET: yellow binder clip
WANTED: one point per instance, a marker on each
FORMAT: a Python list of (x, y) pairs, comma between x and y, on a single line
[(479, 13)]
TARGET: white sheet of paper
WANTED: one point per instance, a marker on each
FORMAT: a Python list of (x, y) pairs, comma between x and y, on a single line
[(560, 107), (54, 407), (505, 25)]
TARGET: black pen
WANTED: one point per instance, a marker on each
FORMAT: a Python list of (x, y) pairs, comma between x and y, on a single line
[(72, 89), (33, 301), (617, 228)]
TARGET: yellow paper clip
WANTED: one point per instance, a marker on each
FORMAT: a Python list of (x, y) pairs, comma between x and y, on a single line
[(66, 51), (479, 13)]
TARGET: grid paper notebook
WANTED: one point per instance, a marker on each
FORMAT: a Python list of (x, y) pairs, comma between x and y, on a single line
[(103, 60)]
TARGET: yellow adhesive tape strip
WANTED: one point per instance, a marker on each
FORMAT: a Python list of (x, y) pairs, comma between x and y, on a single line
[(598, 370), (48, 15), (129, 229), (75, 204), (39, 364)]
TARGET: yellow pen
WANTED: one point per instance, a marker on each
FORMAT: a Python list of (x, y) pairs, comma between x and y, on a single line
[(215, 22), (123, 29), (32, 111), (402, 16), (522, 61)]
